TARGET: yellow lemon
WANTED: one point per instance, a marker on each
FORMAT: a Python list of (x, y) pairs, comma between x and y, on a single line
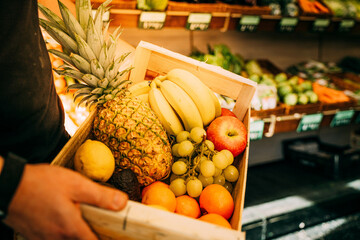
[(94, 160)]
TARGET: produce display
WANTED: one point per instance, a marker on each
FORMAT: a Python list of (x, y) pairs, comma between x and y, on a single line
[(341, 8), (165, 142), (313, 7)]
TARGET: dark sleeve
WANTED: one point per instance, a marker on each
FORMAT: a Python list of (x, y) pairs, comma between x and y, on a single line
[(9, 180)]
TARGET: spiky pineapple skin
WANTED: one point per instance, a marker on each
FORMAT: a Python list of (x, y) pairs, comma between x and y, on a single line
[(136, 137)]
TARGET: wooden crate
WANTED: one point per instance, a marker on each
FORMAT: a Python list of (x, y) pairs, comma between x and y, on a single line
[(138, 221)]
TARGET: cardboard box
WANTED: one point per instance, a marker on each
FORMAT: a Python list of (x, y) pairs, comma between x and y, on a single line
[(138, 221)]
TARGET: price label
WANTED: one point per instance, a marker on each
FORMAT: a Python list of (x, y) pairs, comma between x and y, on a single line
[(342, 118), (249, 23), (288, 24), (198, 21), (256, 130), (310, 122), (321, 24), (346, 25), (152, 20)]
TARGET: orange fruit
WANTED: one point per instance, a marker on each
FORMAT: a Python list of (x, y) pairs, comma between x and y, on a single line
[(215, 219), (154, 184), (160, 195), (216, 199), (188, 206), (158, 207)]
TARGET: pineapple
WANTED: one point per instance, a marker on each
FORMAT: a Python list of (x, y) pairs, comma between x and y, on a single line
[(125, 124)]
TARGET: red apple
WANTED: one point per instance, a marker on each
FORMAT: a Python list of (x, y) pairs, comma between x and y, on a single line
[(227, 112), (229, 133)]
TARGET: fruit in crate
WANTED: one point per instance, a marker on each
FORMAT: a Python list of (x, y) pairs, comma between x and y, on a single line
[(197, 164), (94, 160), (160, 195), (229, 133), (216, 199), (215, 219), (124, 123), (227, 112), (126, 181), (188, 206), (182, 101)]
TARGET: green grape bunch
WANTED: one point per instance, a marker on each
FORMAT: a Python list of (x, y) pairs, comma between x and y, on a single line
[(197, 164)]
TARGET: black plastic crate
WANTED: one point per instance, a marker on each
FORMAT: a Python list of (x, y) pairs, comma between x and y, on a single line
[(327, 159)]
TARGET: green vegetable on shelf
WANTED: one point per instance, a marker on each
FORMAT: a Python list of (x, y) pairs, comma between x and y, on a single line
[(253, 67), (157, 5), (303, 98), (281, 77), (291, 99), (313, 97)]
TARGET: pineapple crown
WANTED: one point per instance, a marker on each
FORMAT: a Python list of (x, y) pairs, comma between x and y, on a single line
[(88, 51)]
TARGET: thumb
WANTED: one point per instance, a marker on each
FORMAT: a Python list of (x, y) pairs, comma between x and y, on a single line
[(95, 194)]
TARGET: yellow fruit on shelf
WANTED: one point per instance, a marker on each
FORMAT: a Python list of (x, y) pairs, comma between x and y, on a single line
[(94, 160)]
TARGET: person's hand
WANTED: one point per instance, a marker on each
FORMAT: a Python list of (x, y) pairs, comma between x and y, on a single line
[(46, 203)]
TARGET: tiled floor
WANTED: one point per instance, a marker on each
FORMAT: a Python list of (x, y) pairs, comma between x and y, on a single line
[(284, 201)]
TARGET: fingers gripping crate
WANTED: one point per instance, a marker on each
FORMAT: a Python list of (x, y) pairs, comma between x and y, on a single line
[(138, 221)]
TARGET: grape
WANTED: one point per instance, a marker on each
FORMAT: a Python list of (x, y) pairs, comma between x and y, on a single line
[(197, 134), (198, 160), (194, 187), (206, 180), (182, 136), (174, 150), (220, 160), (174, 176), (185, 148), (228, 186), (209, 146), (207, 168), (179, 168), (178, 187), (218, 171), (219, 180), (231, 173), (229, 156)]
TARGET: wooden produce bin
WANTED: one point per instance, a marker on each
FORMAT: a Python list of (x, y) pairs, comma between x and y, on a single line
[(138, 221)]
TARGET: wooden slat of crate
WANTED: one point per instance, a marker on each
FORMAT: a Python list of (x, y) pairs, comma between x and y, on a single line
[(125, 224)]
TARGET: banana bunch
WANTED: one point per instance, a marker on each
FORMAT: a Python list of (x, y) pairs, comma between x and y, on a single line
[(141, 91), (182, 101)]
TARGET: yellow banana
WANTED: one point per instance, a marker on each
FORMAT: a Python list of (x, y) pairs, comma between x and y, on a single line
[(164, 112), (144, 97), (197, 90), (182, 104), (139, 88), (216, 103)]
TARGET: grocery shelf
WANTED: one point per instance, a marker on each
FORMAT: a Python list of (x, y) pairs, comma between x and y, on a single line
[(224, 21)]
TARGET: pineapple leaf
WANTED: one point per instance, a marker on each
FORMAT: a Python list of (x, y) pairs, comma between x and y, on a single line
[(61, 55), (70, 73), (83, 13), (94, 39), (80, 63), (61, 37), (84, 49), (90, 80), (70, 22), (97, 69), (52, 17)]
